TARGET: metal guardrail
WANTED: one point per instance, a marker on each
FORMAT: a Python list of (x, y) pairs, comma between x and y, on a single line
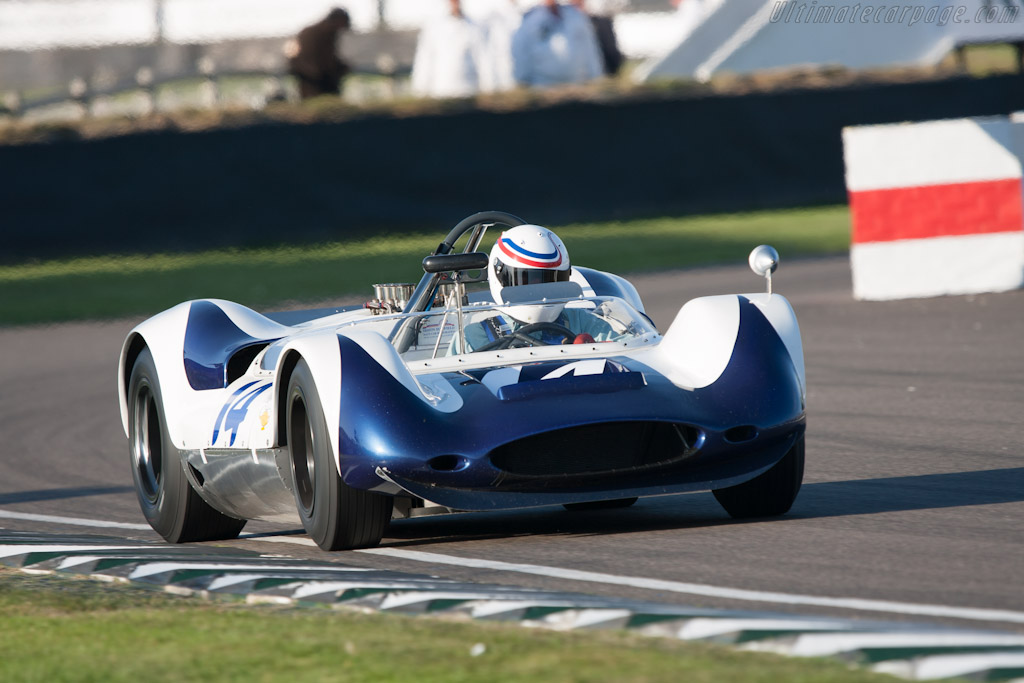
[(81, 93)]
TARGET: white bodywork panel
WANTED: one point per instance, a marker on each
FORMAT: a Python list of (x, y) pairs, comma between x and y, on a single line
[(698, 345), (780, 314)]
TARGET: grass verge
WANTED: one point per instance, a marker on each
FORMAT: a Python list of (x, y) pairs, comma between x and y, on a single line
[(114, 286), (59, 628)]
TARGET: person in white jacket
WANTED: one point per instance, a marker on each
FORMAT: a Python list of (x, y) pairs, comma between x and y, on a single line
[(554, 45), (450, 56), (501, 24)]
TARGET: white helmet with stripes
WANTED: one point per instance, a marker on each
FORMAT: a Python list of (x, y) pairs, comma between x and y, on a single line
[(526, 255)]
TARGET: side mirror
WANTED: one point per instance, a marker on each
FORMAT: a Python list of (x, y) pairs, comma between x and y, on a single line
[(442, 263), (764, 261)]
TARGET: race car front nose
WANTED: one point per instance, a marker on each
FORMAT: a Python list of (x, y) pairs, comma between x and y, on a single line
[(608, 461), (605, 447)]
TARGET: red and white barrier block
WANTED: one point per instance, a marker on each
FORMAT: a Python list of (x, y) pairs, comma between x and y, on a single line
[(937, 207)]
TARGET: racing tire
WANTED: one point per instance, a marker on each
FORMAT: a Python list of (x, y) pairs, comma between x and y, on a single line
[(769, 494), (168, 501), (616, 504), (335, 515)]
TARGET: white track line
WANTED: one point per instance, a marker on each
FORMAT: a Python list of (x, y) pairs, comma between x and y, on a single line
[(859, 604), (28, 549), (73, 521), (294, 540)]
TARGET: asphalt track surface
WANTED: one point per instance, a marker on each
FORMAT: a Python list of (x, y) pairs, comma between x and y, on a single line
[(913, 492)]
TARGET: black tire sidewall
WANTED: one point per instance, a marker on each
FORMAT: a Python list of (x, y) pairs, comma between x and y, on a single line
[(320, 522), (342, 517), (165, 513), (771, 493)]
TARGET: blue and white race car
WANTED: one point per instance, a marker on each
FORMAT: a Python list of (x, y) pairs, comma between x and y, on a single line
[(499, 381)]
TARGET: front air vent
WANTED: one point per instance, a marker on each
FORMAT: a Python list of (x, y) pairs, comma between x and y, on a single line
[(741, 434), (599, 448), (242, 359), (448, 463)]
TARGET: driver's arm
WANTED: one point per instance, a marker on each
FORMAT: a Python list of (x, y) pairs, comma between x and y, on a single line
[(480, 333), (582, 321)]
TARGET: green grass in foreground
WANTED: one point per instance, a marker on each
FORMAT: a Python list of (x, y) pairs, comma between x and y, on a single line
[(113, 286), (56, 628)]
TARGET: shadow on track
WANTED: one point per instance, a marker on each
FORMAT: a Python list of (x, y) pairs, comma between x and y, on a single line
[(61, 494), (919, 492), (700, 510), (685, 511)]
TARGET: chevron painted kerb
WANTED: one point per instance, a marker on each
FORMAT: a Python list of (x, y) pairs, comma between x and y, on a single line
[(912, 651)]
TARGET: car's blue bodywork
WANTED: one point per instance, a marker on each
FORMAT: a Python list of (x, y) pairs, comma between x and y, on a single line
[(622, 433)]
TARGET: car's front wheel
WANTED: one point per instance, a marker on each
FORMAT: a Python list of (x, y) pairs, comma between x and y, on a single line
[(171, 506), (769, 494), (336, 516)]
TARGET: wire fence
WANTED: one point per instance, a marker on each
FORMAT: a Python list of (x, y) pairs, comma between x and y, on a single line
[(207, 88)]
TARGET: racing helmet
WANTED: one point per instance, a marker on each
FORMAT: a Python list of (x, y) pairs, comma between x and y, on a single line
[(526, 255)]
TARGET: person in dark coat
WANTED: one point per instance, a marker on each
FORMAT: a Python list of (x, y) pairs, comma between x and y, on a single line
[(315, 62), (604, 30)]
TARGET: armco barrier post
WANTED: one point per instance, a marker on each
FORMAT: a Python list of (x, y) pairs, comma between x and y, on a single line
[(936, 207)]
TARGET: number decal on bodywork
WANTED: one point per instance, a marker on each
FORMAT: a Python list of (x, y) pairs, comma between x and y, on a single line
[(234, 411)]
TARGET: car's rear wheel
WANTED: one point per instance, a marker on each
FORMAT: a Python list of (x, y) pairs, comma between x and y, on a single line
[(336, 516), (171, 506), (769, 494), (600, 505)]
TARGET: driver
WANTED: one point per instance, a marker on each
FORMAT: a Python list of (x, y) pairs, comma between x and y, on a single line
[(531, 255)]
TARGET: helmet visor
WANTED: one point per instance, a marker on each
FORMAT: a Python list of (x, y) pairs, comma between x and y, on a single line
[(514, 277)]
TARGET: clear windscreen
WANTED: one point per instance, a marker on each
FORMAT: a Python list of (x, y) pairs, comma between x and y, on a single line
[(435, 333)]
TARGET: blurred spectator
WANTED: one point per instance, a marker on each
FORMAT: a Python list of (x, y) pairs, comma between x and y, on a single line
[(500, 25), (689, 14), (450, 57), (313, 57), (604, 31), (555, 44)]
